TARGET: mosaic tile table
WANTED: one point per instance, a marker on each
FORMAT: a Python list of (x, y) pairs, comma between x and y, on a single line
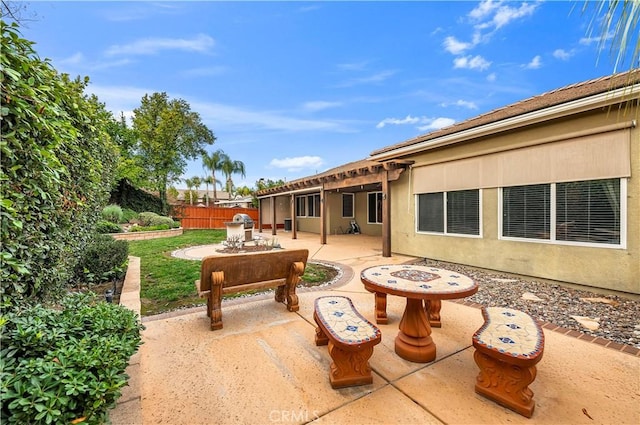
[(416, 284)]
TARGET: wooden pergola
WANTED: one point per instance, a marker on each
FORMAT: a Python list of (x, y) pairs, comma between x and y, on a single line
[(364, 175)]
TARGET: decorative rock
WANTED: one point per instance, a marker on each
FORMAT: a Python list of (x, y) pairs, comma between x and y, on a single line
[(587, 322), (530, 297), (601, 300)]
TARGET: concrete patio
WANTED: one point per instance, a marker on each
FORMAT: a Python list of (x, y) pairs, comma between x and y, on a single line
[(263, 367)]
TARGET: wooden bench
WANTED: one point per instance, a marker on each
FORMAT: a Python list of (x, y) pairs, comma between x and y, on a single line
[(230, 274), (350, 337), (508, 346)]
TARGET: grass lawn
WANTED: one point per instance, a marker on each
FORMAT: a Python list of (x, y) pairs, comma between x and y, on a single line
[(167, 283)]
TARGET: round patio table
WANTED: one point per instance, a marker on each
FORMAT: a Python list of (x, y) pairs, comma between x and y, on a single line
[(416, 284)]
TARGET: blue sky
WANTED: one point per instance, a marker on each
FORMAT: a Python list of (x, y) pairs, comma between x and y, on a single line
[(295, 88)]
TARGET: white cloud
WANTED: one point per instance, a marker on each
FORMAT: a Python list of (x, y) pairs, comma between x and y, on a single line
[(427, 123), (497, 14), (371, 79), (319, 105), (399, 121), (469, 62), (535, 63), (484, 9), (507, 14), (453, 46), (235, 118), (461, 103), (298, 163), (149, 46), (353, 66), (75, 59), (492, 77), (437, 124), (586, 41), (562, 54)]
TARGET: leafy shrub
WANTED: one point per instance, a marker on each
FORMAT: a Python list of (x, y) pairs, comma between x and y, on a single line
[(65, 364), (104, 226), (148, 228), (147, 219), (129, 215), (173, 225), (112, 213), (103, 259)]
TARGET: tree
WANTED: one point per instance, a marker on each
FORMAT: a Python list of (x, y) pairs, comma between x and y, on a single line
[(214, 163), (189, 183), (169, 134), (618, 21), (209, 181), (230, 167), (130, 164), (197, 182)]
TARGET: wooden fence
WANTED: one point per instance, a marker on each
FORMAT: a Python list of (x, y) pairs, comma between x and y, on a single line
[(210, 217)]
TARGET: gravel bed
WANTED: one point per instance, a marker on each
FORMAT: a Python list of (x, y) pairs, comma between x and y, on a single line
[(617, 319)]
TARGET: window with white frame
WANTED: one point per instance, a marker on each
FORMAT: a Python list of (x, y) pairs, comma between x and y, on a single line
[(455, 212), (374, 210), (583, 212), (526, 211), (301, 206), (347, 205), (313, 205)]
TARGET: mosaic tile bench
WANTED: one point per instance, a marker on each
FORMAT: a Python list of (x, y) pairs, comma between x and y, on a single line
[(350, 337), (508, 346), (230, 274)]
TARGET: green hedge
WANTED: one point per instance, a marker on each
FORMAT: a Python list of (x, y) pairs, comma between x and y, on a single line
[(104, 226), (58, 164), (67, 363), (103, 260)]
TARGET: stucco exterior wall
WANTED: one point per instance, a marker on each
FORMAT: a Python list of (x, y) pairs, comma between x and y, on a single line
[(609, 268), (337, 224)]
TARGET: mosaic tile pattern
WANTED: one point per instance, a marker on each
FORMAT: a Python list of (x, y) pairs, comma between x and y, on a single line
[(511, 332), (339, 316), (421, 279)]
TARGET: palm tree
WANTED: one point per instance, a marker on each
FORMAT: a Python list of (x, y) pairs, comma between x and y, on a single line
[(196, 183), (230, 167), (189, 183), (214, 163), (207, 181), (618, 20)]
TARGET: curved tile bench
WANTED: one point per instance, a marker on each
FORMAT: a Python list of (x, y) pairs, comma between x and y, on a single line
[(508, 346), (350, 337)]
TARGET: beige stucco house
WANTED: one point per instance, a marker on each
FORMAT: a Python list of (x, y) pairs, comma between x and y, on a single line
[(547, 187)]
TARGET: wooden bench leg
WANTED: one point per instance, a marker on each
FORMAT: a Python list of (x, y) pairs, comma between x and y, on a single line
[(214, 302), (507, 384), (350, 368), (280, 294)]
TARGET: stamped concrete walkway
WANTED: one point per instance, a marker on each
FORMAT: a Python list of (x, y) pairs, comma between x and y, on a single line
[(264, 368)]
